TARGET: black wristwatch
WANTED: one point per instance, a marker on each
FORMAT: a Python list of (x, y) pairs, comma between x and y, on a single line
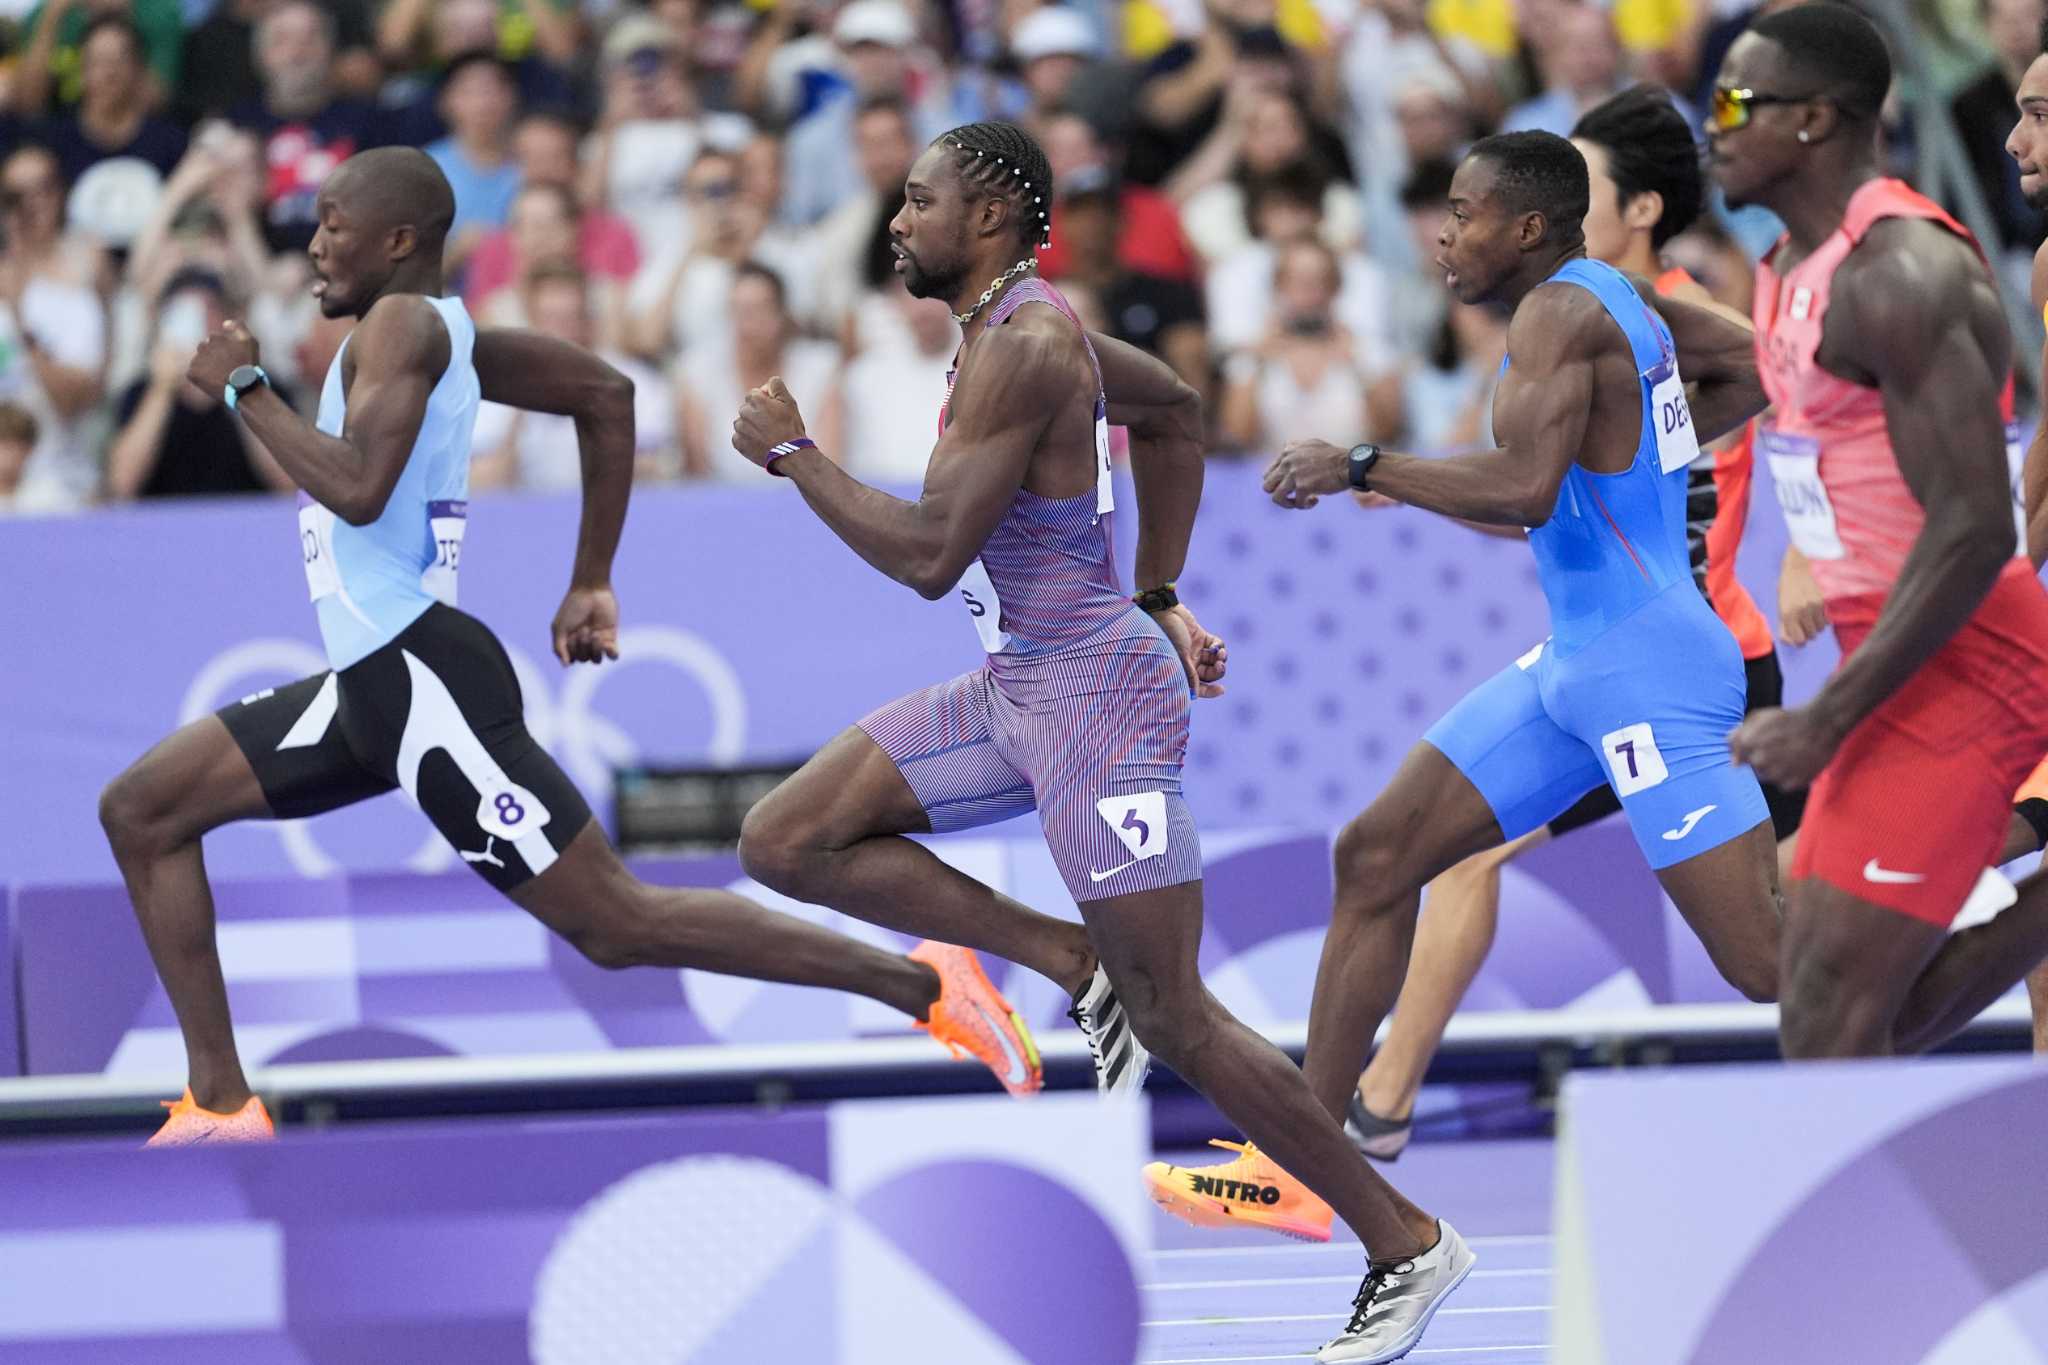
[(1161, 598), (1363, 457), (241, 379)]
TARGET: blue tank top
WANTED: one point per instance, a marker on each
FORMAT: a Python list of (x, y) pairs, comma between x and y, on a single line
[(1614, 541), (368, 583)]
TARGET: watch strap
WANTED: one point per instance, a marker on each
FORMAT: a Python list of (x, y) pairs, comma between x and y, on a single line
[(1161, 598)]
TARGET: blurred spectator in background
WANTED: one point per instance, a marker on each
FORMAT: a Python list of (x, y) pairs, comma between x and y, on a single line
[(714, 375), (1441, 400), (791, 252), (1261, 133), (873, 38), (1434, 121), (53, 330), (550, 30), (544, 147), (519, 449), (1389, 49), (305, 127), (17, 443), (219, 71), (1149, 238), (884, 148), (548, 234), (174, 437), (1306, 376), (682, 296), (1286, 207), (1051, 44), (650, 131), (1416, 297), (479, 101), (112, 120), (1983, 111), (895, 385), (51, 71), (1580, 59), (1706, 252), (1182, 91), (1154, 314)]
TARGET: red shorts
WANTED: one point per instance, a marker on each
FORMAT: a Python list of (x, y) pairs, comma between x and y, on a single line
[(1915, 804)]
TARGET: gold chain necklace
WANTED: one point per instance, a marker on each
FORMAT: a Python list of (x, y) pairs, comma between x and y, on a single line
[(1028, 263)]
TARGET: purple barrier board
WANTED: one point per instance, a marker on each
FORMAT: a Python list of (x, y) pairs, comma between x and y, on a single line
[(407, 964), (751, 634), (859, 1234), (1885, 1213), (11, 1062)]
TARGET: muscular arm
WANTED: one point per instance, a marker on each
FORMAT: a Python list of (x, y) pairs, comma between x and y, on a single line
[(1717, 355), (400, 352), (1164, 416), (1911, 314), (542, 374), (2034, 473), (1540, 411), (999, 411)]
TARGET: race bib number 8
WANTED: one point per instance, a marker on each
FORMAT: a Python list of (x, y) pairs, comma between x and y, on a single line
[(1809, 515), (510, 812), (316, 544), (1633, 762)]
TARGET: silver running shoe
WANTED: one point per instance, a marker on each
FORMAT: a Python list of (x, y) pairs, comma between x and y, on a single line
[(1397, 1301), (1121, 1061), (1381, 1139)]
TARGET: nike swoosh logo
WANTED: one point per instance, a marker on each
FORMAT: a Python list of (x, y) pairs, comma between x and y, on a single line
[(1692, 818), (1884, 876), (1018, 1071), (1094, 876)]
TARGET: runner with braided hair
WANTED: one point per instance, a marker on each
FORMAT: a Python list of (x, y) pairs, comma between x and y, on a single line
[(1081, 710)]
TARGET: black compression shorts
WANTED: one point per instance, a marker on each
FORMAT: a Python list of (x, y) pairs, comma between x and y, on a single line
[(436, 712)]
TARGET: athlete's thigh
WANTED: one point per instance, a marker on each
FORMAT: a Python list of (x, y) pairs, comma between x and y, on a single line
[(1105, 768), (1655, 704), (1523, 765), (292, 744), (933, 759), (1149, 943), (1728, 895), (1840, 948), (438, 712)]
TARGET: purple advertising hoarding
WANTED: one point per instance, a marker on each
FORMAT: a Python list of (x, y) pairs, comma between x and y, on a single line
[(829, 1235), (1885, 1213), (751, 634)]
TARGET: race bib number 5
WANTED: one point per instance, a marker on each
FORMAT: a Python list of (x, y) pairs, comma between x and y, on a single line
[(978, 593)]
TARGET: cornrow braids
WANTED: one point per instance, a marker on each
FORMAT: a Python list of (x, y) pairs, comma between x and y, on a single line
[(1004, 159)]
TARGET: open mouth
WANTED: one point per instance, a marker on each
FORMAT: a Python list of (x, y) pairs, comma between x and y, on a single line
[(319, 288)]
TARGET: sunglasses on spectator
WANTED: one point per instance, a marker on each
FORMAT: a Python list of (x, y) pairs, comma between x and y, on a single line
[(715, 189), (1733, 108)]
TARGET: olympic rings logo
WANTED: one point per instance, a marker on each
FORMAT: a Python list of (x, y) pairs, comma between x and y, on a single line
[(568, 724)]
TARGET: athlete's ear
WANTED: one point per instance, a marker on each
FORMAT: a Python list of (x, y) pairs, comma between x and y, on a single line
[(404, 241), (994, 215), (1530, 230), (1819, 120), (1643, 212)]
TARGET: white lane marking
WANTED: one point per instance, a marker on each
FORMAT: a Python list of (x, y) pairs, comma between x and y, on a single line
[(1333, 1317), (1287, 1280), (1350, 1248)]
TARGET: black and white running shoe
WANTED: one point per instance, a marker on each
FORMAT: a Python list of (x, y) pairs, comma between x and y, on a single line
[(1397, 1300), (1121, 1061), (1381, 1139)]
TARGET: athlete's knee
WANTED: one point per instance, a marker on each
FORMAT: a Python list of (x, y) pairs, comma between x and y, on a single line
[(1174, 1020), (1370, 858), (1821, 1013), (135, 815), (1757, 979), (776, 847)]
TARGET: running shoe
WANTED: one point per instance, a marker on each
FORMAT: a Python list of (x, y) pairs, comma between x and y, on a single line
[(972, 1019), (188, 1124), (1381, 1139), (1249, 1192), (1121, 1061), (1397, 1300)]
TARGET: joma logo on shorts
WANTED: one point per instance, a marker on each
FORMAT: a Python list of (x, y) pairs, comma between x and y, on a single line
[(1242, 1191)]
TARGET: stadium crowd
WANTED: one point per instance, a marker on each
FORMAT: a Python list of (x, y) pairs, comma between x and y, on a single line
[(701, 190)]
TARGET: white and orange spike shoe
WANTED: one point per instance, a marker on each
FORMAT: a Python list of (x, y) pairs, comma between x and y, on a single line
[(1250, 1192), (188, 1125), (972, 1019)]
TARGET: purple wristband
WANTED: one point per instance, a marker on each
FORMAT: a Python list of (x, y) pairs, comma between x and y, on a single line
[(786, 448)]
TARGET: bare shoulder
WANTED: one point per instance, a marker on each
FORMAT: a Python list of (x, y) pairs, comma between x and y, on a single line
[(1038, 345), (403, 329), (2039, 288), (1561, 322), (1908, 281)]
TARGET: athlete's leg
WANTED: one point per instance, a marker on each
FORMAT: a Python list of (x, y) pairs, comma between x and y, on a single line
[(1975, 967), (832, 834), (1149, 942), (1460, 911), (616, 920), (1848, 966), (195, 781), (1729, 897)]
